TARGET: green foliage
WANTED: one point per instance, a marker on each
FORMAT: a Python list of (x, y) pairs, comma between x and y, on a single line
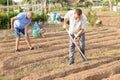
[(114, 2), (92, 17), (87, 4), (12, 14), (24, 1), (21, 10), (4, 2), (78, 5), (60, 9), (42, 16), (5, 19), (57, 1), (104, 9)]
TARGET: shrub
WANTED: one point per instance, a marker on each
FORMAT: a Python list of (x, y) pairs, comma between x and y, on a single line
[(104, 9), (60, 9), (67, 8), (78, 5), (88, 4), (92, 17), (5, 19), (42, 16)]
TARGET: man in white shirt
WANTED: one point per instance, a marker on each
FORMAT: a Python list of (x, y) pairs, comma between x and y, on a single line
[(77, 29)]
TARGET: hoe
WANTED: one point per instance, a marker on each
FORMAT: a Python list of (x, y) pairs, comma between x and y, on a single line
[(81, 53)]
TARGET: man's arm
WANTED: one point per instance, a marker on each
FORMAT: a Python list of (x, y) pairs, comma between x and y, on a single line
[(83, 27), (12, 22), (79, 33), (66, 19), (18, 17), (65, 23)]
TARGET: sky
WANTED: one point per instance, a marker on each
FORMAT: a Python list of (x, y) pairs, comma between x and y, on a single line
[(17, 0)]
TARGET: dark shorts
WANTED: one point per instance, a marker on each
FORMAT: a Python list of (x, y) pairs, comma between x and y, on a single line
[(17, 32)]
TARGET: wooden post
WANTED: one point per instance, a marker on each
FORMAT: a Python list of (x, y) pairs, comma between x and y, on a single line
[(8, 14)]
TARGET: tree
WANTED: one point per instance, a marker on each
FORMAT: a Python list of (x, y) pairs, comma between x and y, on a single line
[(4, 2), (113, 2), (110, 4), (116, 2), (62, 2), (24, 1)]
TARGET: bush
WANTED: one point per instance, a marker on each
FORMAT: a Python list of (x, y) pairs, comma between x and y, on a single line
[(78, 5), (104, 9), (88, 4), (67, 8), (92, 17), (42, 16), (5, 19), (60, 9)]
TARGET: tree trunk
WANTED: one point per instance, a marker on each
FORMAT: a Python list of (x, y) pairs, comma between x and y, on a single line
[(110, 4)]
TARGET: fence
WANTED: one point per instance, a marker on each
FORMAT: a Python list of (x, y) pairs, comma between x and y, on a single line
[(6, 12)]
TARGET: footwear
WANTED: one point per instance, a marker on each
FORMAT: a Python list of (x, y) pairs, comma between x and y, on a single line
[(71, 62), (17, 50), (31, 48)]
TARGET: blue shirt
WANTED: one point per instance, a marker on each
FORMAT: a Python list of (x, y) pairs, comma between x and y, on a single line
[(36, 26), (58, 16), (21, 21), (53, 17)]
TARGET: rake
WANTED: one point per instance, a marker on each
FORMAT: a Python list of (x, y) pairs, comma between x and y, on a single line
[(81, 53)]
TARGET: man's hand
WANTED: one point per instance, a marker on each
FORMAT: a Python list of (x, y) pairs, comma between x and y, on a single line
[(75, 39), (26, 30), (80, 33)]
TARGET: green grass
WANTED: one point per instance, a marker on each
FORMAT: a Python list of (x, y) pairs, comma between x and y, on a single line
[(104, 13), (111, 13), (108, 53), (114, 52)]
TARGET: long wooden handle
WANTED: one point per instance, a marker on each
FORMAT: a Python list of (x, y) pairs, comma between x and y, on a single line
[(82, 55)]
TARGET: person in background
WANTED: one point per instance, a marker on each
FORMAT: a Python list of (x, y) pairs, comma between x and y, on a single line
[(38, 29), (20, 24), (55, 17)]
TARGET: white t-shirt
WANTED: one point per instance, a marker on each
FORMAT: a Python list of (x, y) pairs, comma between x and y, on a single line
[(76, 25)]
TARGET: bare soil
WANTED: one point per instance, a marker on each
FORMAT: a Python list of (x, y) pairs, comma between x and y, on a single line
[(49, 60)]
